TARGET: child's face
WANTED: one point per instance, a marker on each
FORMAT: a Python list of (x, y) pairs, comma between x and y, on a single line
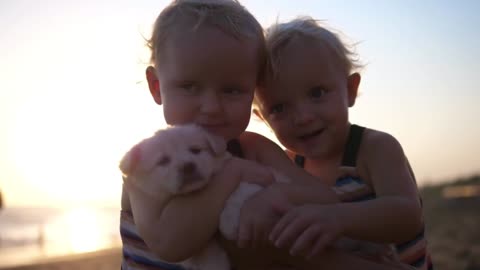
[(208, 78), (307, 104)]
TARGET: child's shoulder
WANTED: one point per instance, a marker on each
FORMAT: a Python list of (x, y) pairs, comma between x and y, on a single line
[(376, 143), (250, 139), (255, 145)]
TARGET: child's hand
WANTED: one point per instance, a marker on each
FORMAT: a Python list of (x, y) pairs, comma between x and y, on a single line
[(258, 216), (307, 229)]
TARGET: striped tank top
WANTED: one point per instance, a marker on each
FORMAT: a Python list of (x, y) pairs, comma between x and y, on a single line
[(413, 252), (136, 254)]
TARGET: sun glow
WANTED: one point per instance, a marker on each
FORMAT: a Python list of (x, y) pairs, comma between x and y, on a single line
[(70, 151), (84, 231), (53, 155), (79, 230)]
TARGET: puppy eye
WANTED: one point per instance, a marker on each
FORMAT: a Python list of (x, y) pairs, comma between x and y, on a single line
[(195, 150), (163, 161)]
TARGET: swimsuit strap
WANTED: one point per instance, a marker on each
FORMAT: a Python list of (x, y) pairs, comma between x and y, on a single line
[(351, 148)]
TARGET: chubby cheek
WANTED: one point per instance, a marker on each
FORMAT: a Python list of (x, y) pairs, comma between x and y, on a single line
[(243, 120), (290, 144), (178, 114), (239, 118), (283, 133), (338, 118)]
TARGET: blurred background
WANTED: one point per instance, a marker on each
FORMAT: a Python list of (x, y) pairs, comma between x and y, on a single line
[(73, 99)]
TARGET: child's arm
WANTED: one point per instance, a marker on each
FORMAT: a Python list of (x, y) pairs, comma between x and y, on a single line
[(264, 209), (330, 259), (167, 229), (306, 189), (336, 259), (395, 216), (161, 227)]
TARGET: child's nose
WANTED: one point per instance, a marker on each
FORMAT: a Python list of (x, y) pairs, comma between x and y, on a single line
[(302, 116), (211, 103)]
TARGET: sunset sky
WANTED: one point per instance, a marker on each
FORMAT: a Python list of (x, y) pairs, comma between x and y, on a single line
[(73, 97)]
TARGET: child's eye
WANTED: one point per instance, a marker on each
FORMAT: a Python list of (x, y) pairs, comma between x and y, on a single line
[(186, 86), (195, 150), (277, 108), (189, 87), (163, 161), (317, 92), (232, 90)]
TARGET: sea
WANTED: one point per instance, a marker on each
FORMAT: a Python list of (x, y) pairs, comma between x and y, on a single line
[(29, 234)]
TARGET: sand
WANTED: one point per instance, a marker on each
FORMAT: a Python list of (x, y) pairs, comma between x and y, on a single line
[(452, 232), (100, 260)]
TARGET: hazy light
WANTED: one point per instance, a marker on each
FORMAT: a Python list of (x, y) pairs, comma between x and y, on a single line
[(84, 230), (461, 191)]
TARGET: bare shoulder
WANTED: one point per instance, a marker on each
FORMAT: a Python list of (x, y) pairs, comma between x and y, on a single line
[(266, 152), (256, 146), (379, 151), (254, 139), (379, 143), (388, 169)]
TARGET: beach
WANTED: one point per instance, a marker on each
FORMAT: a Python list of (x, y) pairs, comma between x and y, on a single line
[(45, 238), (451, 217), (99, 260), (452, 224)]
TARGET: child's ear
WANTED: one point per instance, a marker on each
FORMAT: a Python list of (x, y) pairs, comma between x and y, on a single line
[(153, 84), (353, 83)]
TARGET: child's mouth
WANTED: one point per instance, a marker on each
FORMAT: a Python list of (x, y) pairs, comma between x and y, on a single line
[(310, 135), (213, 127), (213, 124)]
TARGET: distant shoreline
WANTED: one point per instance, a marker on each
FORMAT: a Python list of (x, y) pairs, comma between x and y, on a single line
[(36, 235)]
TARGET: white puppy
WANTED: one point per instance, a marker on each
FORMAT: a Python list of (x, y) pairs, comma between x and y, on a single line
[(181, 159)]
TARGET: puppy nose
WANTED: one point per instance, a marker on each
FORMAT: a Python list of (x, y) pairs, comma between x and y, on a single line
[(188, 167)]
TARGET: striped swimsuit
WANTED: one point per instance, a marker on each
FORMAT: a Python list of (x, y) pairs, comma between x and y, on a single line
[(136, 254), (413, 252)]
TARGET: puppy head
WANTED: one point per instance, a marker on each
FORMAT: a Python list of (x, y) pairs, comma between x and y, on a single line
[(178, 160)]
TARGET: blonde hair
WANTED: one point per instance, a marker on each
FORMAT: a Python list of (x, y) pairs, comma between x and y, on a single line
[(279, 35), (229, 16)]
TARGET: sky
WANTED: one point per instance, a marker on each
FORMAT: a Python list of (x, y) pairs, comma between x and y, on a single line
[(73, 97)]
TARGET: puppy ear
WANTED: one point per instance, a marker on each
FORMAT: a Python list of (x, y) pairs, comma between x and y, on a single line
[(216, 144), (130, 160)]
